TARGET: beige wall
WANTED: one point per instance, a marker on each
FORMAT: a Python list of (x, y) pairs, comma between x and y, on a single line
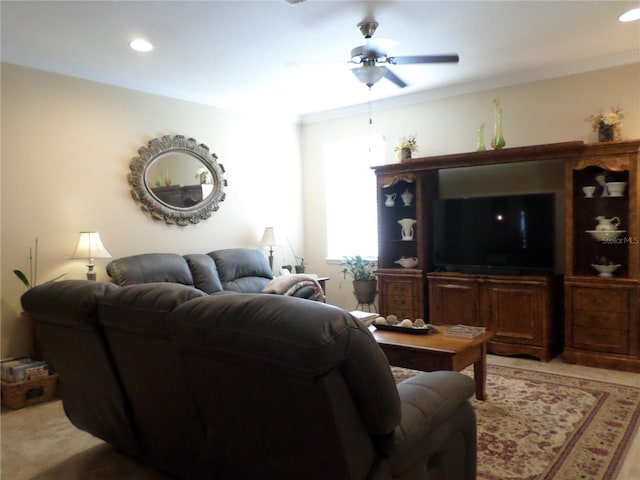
[(67, 143), (535, 113), (66, 147)]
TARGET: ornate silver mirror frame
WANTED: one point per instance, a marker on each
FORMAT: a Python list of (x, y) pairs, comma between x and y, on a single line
[(177, 180)]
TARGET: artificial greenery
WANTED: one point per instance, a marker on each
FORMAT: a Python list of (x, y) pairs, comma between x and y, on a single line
[(33, 269), (359, 268), (23, 278)]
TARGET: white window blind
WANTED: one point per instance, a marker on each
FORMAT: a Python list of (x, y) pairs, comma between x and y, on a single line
[(351, 196)]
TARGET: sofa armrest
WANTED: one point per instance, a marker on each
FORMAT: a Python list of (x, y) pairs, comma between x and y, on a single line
[(438, 425)]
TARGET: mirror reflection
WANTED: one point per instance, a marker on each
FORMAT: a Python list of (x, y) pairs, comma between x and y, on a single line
[(179, 179)]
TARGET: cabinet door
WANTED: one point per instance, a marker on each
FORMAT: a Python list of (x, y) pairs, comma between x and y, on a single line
[(597, 210), (517, 313), (399, 226), (599, 319), (401, 295), (453, 301)]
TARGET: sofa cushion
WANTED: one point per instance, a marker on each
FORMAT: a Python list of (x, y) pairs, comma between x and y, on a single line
[(293, 337), (134, 321), (150, 267), (143, 308), (242, 269), (72, 342), (204, 272)]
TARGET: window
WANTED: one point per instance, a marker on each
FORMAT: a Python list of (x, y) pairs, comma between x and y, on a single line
[(351, 196)]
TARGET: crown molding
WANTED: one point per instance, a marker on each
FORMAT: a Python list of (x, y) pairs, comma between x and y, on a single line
[(601, 63)]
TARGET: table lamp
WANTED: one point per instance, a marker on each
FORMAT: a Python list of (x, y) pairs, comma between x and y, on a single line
[(90, 246), (268, 240)]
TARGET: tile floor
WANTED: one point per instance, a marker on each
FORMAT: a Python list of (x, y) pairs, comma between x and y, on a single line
[(39, 443)]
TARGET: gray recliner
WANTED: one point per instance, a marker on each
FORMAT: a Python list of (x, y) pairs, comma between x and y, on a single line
[(292, 390), (247, 386)]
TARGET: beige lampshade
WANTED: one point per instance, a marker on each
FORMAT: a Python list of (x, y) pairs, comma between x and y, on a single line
[(90, 246), (268, 237)]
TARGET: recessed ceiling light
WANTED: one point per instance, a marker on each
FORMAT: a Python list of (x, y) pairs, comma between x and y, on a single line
[(141, 45), (630, 16)]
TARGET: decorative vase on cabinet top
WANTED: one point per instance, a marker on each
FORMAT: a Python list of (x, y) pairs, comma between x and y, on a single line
[(407, 228)]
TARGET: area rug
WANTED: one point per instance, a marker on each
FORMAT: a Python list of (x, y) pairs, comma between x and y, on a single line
[(542, 426)]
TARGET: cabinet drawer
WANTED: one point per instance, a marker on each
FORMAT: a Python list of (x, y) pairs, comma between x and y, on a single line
[(401, 289), (596, 319), (606, 340), (402, 307), (601, 299)]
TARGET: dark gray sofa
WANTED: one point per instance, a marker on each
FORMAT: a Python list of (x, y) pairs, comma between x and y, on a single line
[(246, 386), (241, 270)]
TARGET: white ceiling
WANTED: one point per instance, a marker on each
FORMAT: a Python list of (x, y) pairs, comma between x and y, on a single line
[(292, 60)]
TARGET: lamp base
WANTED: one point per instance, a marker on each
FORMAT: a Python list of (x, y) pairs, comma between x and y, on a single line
[(91, 275)]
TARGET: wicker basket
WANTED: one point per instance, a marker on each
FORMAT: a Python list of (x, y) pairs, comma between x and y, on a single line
[(22, 394)]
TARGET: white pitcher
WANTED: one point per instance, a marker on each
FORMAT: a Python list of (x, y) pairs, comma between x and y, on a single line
[(607, 224), (391, 200), (407, 227)]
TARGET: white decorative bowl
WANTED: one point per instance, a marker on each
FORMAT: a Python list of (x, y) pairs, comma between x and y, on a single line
[(407, 262), (605, 235), (606, 270), (616, 189)]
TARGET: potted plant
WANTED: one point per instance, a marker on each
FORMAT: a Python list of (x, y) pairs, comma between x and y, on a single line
[(406, 147), (300, 264), (364, 278)]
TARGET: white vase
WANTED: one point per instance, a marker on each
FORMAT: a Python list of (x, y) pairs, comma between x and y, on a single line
[(407, 228), (407, 197)]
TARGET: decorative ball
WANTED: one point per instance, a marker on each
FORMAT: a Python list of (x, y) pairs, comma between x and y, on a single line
[(419, 322), (392, 319), (406, 323), (380, 321)]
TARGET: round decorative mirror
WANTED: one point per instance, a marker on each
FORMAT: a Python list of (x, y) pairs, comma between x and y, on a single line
[(177, 180)]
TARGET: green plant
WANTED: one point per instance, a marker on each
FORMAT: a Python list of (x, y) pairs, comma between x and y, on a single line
[(299, 260), (31, 281), (359, 268)]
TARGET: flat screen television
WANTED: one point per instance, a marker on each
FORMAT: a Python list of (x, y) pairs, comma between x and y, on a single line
[(511, 235)]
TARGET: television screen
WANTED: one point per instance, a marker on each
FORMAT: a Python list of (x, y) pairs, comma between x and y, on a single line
[(508, 234)]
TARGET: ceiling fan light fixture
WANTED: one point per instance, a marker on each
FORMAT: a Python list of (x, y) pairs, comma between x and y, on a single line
[(369, 74)]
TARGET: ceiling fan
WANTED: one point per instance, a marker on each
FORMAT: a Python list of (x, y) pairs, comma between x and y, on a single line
[(372, 59)]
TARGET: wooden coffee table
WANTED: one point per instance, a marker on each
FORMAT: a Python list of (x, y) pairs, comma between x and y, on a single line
[(436, 352)]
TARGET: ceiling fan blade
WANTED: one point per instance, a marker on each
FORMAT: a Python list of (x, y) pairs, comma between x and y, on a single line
[(452, 58), (389, 75)]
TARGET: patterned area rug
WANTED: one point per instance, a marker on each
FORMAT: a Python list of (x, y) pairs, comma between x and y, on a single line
[(541, 426)]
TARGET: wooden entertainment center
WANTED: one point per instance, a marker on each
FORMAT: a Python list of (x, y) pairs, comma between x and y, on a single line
[(593, 320)]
